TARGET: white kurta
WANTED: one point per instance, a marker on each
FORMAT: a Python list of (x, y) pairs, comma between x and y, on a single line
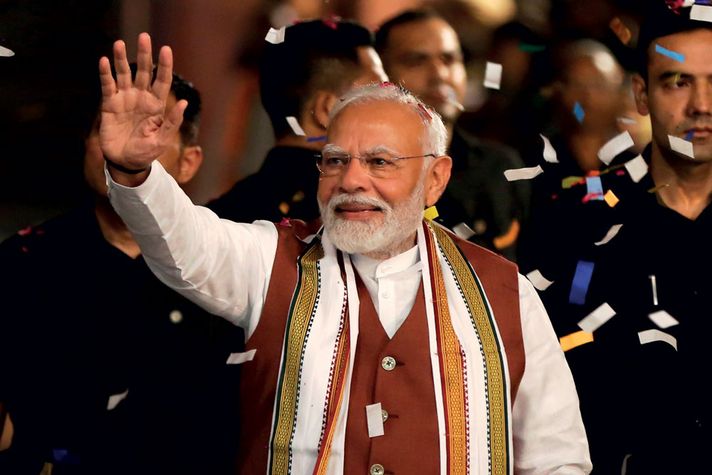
[(226, 268)]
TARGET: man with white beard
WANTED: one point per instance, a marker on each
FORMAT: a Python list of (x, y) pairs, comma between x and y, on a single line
[(378, 343)]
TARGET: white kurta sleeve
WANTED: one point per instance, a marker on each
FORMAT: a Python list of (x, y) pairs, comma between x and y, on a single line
[(221, 265), (548, 433)]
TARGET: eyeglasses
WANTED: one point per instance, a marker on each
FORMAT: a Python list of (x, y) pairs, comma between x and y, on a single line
[(377, 166)]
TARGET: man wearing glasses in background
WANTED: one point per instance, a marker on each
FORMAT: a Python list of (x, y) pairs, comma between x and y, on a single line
[(379, 343)]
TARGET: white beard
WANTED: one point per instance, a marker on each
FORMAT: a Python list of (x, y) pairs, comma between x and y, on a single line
[(372, 236)]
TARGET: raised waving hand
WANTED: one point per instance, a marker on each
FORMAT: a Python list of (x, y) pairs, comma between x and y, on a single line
[(135, 128)]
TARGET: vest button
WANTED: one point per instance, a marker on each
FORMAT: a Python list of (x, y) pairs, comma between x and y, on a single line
[(388, 363), (384, 415), (176, 316), (377, 469)]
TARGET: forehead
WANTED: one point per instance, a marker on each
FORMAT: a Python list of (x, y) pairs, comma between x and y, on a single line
[(694, 45), (427, 36), (600, 67), (361, 126), (371, 66)]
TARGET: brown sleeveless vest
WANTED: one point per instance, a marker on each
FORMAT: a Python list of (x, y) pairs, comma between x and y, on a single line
[(410, 443)]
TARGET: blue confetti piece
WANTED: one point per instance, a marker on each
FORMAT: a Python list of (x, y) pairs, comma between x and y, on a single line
[(594, 187), (318, 138), (579, 112), (59, 454), (670, 54), (579, 286), (689, 135), (64, 457)]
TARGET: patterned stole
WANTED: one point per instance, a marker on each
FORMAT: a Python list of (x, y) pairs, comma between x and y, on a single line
[(453, 364), (445, 263)]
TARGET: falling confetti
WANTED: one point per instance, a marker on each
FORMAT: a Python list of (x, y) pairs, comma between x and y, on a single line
[(579, 113), (669, 53), (5, 52), (581, 280)]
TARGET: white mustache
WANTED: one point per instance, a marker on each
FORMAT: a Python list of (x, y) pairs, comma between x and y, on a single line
[(344, 199)]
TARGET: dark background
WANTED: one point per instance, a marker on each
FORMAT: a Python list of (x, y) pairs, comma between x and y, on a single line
[(46, 97)]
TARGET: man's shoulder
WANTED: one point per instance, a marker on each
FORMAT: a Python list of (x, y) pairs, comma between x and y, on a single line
[(57, 232), (286, 180), (238, 203), (297, 228), (481, 257), (496, 152)]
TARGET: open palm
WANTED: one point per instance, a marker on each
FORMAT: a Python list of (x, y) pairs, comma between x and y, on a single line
[(134, 125)]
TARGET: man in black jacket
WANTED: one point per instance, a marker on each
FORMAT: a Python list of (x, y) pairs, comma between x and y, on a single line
[(422, 52), (631, 266), (137, 387), (301, 78)]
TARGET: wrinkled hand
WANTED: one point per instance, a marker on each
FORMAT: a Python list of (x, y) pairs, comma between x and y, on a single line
[(135, 128)]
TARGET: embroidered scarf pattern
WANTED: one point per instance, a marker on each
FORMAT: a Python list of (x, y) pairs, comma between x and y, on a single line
[(470, 380)]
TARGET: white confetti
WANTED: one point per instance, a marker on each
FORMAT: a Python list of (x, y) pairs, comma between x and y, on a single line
[(595, 319), (637, 168), (463, 231), (609, 235), (626, 120), (294, 124), (549, 151), (493, 75), (650, 336), (538, 280), (615, 146), (115, 399), (701, 13), (374, 420), (523, 173), (5, 52), (275, 36), (681, 146), (663, 319), (239, 358)]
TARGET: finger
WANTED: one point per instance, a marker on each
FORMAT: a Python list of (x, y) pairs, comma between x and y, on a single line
[(173, 118), (164, 75), (144, 62), (121, 64), (108, 85)]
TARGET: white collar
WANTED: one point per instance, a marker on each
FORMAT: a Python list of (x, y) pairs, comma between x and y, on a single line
[(375, 268)]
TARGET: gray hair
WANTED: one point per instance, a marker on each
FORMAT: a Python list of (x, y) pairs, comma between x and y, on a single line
[(436, 133)]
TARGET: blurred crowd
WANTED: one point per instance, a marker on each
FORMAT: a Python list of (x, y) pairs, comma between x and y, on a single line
[(533, 93)]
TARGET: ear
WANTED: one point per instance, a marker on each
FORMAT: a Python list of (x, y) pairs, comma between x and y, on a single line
[(437, 177), (323, 102), (640, 92), (190, 161)]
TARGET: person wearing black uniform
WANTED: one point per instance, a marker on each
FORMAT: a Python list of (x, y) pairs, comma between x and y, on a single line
[(301, 79), (640, 374), (139, 386), (421, 51)]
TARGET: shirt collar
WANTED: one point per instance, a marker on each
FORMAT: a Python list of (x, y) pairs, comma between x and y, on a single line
[(376, 269)]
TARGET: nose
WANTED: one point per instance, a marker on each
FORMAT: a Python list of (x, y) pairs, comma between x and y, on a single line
[(354, 177), (439, 70), (700, 99)]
